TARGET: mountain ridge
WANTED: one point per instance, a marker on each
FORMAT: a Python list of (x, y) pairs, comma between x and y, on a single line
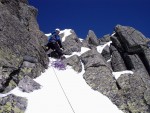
[(22, 59)]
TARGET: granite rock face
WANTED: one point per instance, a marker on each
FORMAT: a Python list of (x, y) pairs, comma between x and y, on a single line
[(28, 85), (71, 44), (22, 59), (91, 40), (128, 51), (106, 53), (21, 53), (131, 39), (74, 61), (20, 42), (117, 61), (13, 104)]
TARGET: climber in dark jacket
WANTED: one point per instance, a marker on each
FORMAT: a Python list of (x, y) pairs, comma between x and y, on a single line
[(54, 42)]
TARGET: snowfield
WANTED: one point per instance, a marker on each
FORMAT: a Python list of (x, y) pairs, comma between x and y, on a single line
[(65, 91)]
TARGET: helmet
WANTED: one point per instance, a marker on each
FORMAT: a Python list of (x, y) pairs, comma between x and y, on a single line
[(57, 29)]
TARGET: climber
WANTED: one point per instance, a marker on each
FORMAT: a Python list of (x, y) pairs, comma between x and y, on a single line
[(54, 43)]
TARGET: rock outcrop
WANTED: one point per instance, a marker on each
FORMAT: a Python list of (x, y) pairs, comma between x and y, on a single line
[(28, 85), (75, 62), (97, 73), (20, 44), (106, 53), (13, 104), (91, 40), (71, 44), (22, 58), (21, 54), (128, 51), (117, 61), (105, 38)]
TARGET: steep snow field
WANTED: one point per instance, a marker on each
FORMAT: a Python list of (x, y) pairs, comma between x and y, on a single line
[(65, 91)]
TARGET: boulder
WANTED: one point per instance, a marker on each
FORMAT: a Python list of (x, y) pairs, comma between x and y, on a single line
[(92, 58), (71, 44), (92, 39), (101, 79), (13, 104), (28, 85), (74, 61), (98, 74)]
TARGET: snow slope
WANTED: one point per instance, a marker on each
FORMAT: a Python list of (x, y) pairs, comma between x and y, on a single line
[(65, 91), (51, 99)]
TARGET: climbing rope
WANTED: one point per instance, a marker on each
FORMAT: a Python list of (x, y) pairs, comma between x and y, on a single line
[(63, 89)]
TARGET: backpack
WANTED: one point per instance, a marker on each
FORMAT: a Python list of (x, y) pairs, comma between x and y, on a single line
[(53, 37)]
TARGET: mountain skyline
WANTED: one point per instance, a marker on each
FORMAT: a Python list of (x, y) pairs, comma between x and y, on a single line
[(99, 16)]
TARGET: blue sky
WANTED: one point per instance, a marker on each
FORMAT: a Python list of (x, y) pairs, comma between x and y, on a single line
[(101, 16)]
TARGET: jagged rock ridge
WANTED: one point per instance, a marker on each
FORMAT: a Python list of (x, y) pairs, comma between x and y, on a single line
[(128, 51)]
